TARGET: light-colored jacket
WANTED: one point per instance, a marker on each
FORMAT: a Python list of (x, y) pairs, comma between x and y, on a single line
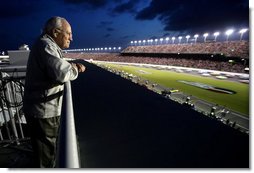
[(46, 73)]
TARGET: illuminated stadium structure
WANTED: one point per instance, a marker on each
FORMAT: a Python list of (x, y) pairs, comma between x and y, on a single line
[(215, 37), (124, 120), (213, 56), (223, 59)]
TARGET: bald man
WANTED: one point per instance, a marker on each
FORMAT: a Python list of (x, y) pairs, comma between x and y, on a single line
[(47, 71)]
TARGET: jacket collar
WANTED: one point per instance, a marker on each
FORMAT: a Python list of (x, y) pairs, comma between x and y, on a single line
[(51, 39)]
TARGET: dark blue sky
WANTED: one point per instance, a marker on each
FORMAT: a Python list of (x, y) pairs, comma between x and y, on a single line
[(103, 23)]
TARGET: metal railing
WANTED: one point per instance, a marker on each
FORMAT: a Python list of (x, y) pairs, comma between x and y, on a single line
[(11, 99), (68, 156)]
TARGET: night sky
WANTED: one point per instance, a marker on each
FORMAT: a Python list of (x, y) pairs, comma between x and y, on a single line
[(104, 23)]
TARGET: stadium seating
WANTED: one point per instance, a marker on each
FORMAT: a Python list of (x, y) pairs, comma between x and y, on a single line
[(229, 49), (230, 56)]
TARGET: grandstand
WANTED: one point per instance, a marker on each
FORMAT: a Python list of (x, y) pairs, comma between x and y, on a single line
[(239, 49), (231, 56)]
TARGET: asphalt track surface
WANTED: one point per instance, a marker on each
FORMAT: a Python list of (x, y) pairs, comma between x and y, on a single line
[(123, 125)]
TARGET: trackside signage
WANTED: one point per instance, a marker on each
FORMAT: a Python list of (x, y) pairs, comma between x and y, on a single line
[(208, 87)]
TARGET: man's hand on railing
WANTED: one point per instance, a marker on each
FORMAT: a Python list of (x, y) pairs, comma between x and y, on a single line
[(79, 66)]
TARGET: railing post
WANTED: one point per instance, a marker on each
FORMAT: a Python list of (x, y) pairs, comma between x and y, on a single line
[(68, 156)]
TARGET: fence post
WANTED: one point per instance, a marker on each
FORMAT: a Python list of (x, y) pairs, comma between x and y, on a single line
[(68, 156)]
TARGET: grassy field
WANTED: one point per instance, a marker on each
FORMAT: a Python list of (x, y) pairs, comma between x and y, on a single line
[(238, 101)]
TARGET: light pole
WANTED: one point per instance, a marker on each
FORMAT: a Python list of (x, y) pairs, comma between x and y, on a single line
[(144, 42), (167, 38), (242, 31), (187, 38), (196, 37), (151, 41), (229, 32), (180, 38), (148, 42), (156, 40), (161, 40), (173, 39), (216, 35), (205, 35)]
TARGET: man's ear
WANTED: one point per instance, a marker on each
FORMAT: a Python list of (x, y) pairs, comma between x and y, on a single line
[(55, 33)]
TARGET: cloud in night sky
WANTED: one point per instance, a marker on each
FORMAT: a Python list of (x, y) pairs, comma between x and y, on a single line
[(110, 29), (104, 24), (94, 4), (99, 22), (129, 6), (107, 35), (196, 14)]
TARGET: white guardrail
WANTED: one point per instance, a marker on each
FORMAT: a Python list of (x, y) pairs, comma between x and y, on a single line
[(68, 156)]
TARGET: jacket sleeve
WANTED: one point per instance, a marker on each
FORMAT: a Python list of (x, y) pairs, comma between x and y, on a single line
[(57, 68)]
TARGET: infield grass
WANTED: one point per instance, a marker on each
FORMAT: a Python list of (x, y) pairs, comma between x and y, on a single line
[(238, 102)]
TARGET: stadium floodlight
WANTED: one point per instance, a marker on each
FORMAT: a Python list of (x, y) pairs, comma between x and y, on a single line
[(173, 39), (131, 42), (205, 36), (242, 31), (135, 42), (144, 42), (216, 35), (151, 41), (156, 40), (167, 38), (119, 48), (228, 33), (187, 38), (196, 37), (161, 40), (114, 48), (180, 38), (139, 42)]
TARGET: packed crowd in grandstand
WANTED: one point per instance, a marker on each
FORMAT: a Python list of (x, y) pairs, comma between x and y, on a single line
[(229, 48), (236, 49)]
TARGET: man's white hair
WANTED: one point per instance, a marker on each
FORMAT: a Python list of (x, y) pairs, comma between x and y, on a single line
[(53, 23)]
